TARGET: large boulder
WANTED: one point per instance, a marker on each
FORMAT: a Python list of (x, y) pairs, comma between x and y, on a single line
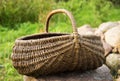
[(107, 25), (112, 37), (100, 74), (104, 27)]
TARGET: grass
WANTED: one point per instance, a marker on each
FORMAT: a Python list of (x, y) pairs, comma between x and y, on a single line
[(13, 12), (7, 38)]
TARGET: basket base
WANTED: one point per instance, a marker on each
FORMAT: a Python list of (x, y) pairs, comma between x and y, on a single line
[(100, 74)]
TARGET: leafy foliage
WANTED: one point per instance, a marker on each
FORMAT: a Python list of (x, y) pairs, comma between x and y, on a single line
[(19, 11), (92, 12), (115, 2)]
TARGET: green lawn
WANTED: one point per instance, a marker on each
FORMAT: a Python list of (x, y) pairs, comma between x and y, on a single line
[(7, 38)]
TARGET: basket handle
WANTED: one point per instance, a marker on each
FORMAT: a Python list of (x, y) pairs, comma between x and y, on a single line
[(61, 11)]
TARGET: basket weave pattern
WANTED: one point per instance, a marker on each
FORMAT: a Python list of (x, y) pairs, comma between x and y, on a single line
[(48, 53)]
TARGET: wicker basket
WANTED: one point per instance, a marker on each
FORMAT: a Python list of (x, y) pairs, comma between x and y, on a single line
[(48, 53)]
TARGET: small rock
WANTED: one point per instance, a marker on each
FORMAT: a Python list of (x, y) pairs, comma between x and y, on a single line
[(85, 30), (112, 36), (113, 62), (108, 25), (116, 49), (99, 33), (105, 27), (107, 48)]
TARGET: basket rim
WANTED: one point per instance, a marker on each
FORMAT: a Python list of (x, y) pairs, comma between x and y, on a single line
[(60, 35)]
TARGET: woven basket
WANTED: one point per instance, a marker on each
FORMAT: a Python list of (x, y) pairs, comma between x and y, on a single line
[(48, 53)]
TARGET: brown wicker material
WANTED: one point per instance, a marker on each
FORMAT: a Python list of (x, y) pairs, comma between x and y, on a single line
[(48, 53)]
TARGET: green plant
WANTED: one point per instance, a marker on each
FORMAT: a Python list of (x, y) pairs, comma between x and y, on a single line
[(115, 2), (18, 11), (91, 12), (7, 38)]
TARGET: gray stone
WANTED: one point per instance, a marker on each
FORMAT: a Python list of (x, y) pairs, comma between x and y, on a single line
[(107, 25), (85, 30), (112, 36), (113, 61), (100, 74)]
